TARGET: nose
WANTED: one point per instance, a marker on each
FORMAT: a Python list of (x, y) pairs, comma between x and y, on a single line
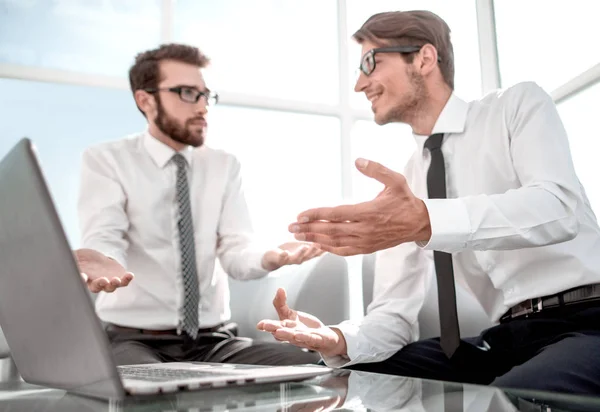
[(201, 106), (361, 82)]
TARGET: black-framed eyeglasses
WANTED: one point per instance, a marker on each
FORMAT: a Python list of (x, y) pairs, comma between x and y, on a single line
[(190, 94), (367, 63)]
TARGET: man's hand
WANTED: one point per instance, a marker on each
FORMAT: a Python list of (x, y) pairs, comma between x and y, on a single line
[(101, 273), (290, 253), (302, 329), (395, 216)]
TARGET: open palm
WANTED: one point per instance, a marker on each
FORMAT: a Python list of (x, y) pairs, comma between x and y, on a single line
[(301, 329), (286, 313)]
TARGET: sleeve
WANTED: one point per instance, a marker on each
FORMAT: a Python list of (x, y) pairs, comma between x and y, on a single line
[(101, 207), (240, 257), (541, 212), (401, 282)]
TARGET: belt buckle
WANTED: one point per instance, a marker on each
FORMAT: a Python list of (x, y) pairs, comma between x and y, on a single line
[(527, 308)]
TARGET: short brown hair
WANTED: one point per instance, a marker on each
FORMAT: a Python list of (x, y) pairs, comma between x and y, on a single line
[(414, 28), (145, 72)]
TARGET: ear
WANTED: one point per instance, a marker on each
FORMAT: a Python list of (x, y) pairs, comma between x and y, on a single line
[(428, 59), (145, 101)]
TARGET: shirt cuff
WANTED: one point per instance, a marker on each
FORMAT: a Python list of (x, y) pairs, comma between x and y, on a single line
[(255, 268), (350, 332), (450, 225)]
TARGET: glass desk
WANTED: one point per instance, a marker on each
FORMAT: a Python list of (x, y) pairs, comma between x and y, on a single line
[(341, 390)]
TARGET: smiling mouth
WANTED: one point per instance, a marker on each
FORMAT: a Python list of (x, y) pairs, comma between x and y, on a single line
[(373, 98)]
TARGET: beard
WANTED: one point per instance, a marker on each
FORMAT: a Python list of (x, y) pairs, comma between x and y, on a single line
[(411, 103), (182, 134)]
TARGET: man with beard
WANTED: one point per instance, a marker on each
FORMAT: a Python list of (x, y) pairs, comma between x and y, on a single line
[(490, 195), (163, 206)]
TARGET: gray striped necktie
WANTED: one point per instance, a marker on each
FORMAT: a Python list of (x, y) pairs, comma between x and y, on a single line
[(189, 272)]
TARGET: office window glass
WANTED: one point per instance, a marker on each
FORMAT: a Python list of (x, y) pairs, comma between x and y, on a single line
[(391, 145), (546, 41), (274, 48), (63, 120), (290, 162), (99, 37)]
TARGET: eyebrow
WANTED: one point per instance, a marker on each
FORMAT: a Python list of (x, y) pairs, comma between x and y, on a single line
[(205, 90)]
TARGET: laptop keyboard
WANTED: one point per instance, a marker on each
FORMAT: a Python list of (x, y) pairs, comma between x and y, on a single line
[(150, 374)]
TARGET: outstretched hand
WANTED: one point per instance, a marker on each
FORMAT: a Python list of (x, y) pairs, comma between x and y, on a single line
[(290, 253), (395, 216), (302, 329), (101, 273)]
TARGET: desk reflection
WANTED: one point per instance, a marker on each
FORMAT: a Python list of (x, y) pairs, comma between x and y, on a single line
[(380, 393), (270, 397), (345, 390)]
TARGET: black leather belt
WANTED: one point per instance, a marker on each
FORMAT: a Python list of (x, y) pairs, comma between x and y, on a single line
[(117, 328), (580, 294)]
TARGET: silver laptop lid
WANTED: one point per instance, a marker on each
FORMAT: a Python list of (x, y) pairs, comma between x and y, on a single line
[(46, 313)]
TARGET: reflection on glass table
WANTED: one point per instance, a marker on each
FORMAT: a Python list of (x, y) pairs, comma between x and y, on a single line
[(341, 390), (285, 396)]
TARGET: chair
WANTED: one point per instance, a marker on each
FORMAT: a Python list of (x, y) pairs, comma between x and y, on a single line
[(4, 350), (368, 279), (8, 370), (319, 286), (472, 318)]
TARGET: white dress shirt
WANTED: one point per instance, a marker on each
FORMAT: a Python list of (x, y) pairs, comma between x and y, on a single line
[(128, 210), (516, 220)]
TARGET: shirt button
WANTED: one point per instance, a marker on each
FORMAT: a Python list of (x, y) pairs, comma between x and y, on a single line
[(510, 291)]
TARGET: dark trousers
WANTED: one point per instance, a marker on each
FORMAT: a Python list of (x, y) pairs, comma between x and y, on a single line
[(131, 348), (551, 352)]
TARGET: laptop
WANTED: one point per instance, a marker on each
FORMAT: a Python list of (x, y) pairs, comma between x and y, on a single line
[(48, 318)]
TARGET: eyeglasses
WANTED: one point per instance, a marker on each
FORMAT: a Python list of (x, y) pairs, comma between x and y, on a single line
[(367, 63), (190, 94)]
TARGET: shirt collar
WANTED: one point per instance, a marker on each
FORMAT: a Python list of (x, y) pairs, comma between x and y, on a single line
[(452, 119), (160, 153)]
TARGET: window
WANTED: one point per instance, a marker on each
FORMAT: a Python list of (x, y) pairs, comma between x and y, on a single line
[(99, 37), (546, 41), (391, 145), (579, 114), (273, 48), (290, 162), (62, 121), (460, 16)]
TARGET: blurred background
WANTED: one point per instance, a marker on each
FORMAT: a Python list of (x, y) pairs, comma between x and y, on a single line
[(285, 72)]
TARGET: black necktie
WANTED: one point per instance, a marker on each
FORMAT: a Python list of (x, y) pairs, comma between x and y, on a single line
[(436, 187)]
